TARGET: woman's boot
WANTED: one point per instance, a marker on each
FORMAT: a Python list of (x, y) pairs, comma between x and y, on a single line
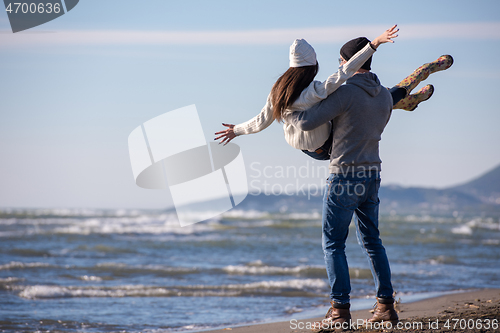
[(423, 72), (410, 103)]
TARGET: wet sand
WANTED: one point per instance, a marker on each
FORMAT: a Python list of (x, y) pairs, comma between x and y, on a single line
[(473, 311)]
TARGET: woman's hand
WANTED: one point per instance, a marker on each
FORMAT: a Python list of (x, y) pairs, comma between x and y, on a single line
[(227, 135), (386, 37)]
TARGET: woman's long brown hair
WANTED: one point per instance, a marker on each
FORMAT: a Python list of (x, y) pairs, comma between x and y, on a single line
[(288, 87)]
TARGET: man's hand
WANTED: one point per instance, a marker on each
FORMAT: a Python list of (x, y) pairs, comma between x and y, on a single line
[(227, 135), (386, 37)]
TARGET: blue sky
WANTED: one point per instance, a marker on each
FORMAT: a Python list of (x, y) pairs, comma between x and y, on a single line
[(73, 89)]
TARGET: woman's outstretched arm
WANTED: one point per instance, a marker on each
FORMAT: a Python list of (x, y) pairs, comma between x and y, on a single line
[(254, 125)]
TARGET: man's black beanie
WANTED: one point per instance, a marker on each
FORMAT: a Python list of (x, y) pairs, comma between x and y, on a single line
[(352, 47)]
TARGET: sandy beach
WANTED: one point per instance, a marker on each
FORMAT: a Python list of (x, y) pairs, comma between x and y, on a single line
[(472, 311)]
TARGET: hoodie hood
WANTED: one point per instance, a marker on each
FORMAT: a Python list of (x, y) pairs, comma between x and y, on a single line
[(368, 82)]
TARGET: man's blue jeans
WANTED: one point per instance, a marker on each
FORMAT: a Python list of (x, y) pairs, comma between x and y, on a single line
[(345, 195)]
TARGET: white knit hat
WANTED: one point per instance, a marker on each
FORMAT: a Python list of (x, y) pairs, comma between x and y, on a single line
[(302, 54)]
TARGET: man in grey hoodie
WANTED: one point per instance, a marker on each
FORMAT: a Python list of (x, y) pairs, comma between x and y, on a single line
[(359, 111)]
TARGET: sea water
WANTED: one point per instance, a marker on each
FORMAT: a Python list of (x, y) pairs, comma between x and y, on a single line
[(109, 271)]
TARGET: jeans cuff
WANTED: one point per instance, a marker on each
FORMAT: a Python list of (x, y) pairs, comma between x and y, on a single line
[(383, 300), (340, 305)]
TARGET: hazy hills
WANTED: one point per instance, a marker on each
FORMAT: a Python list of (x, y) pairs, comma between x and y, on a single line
[(478, 196)]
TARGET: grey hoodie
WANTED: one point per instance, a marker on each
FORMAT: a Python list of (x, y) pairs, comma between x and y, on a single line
[(359, 111)]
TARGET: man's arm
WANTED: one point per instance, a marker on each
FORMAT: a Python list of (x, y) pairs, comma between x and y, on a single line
[(318, 114), (318, 91)]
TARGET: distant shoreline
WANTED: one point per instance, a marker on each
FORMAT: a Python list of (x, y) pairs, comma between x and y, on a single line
[(435, 314)]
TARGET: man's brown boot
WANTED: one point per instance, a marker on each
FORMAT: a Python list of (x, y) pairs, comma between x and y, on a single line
[(337, 315), (384, 312)]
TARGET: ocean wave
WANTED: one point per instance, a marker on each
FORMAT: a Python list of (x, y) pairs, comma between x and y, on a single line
[(121, 269), (18, 213), (26, 252), (245, 214), (141, 224), (286, 288), (165, 224), (302, 270), (21, 265), (258, 215), (249, 224), (319, 271), (487, 224), (271, 222), (91, 278), (293, 309), (111, 269), (491, 242), (21, 223), (9, 280), (441, 259), (478, 224), (419, 218), (124, 269), (462, 230), (304, 216), (251, 268)]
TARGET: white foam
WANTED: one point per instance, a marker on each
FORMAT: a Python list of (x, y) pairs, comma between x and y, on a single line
[(254, 223), (17, 264), (10, 279), (159, 268), (247, 269), (88, 221), (245, 214), (45, 291), (488, 224), (292, 310), (255, 263), (65, 212), (90, 278), (41, 291), (164, 224), (256, 215), (85, 222), (462, 230), (305, 216), (295, 284)]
